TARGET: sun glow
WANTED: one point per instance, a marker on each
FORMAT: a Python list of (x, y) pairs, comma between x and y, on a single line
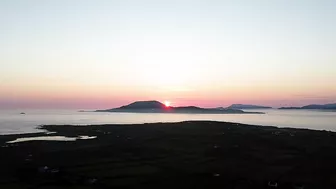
[(167, 103)]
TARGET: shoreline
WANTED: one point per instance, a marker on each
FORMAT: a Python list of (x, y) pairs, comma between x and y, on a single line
[(189, 154), (44, 129)]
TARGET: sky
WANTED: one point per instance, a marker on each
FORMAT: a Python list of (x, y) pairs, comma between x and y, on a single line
[(93, 54)]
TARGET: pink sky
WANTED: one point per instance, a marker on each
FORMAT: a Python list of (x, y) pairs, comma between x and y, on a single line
[(84, 98), (101, 54)]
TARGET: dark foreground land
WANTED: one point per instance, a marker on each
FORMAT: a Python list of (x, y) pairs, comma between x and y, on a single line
[(172, 155)]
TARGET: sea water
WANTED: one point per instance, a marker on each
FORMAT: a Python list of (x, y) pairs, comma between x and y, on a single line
[(11, 121)]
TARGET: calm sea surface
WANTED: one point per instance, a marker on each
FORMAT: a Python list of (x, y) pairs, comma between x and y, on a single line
[(12, 122)]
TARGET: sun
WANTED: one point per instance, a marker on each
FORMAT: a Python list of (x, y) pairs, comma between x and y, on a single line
[(167, 103)]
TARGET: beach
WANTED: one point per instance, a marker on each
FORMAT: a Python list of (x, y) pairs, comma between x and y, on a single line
[(190, 154)]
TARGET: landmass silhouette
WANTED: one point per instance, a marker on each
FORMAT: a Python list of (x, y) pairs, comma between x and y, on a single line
[(154, 106), (313, 107), (248, 106)]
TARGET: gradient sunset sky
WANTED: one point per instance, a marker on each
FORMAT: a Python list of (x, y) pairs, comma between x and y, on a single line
[(101, 54)]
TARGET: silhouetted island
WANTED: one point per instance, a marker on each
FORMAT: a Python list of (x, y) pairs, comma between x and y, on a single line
[(248, 106), (312, 107), (158, 107)]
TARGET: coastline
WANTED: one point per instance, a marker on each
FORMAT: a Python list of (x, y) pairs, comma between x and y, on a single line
[(187, 154)]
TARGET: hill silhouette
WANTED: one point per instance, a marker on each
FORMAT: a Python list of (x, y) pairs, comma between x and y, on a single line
[(154, 106)]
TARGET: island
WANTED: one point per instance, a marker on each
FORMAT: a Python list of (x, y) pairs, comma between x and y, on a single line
[(312, 107), (248, 106), (154, 106)]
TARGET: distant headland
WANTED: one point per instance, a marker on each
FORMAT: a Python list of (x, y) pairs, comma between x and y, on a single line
[(312, 107), (247, 106), (154, 106)]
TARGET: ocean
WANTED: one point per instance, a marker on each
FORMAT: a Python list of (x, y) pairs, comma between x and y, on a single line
[(12, 122)]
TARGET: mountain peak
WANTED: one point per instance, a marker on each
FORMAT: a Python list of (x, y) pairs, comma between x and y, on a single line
[(151, 104)]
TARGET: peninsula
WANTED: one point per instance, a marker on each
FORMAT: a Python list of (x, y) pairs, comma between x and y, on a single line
[(190, 154), (248, 106)]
